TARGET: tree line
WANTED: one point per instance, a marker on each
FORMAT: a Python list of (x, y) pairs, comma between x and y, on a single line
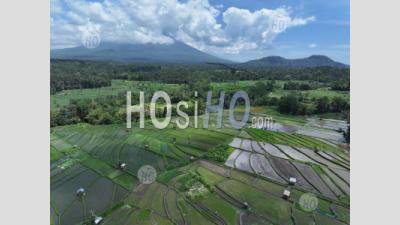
[(76, 74), (298, 105)]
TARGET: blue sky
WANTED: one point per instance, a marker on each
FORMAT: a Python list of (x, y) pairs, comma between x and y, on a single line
[(237, 30), (329, 34)]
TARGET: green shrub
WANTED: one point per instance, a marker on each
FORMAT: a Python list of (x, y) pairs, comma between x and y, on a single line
[(220, 153)]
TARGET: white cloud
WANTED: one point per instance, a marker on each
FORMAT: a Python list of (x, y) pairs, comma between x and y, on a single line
[(312, 45), (219, 6), (260, 27), (164, 21)]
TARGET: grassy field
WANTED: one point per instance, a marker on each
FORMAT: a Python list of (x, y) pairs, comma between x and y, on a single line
[(262, 203), (228, 212), (121, 86), (284, 118), (117, 87), (279, 91), (316, 93)]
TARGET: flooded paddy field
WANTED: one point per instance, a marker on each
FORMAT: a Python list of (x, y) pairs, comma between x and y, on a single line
[(294, 154), (329, 135), (246, 188), (315, 171), (331, 124), (328, 130), (262, 166)]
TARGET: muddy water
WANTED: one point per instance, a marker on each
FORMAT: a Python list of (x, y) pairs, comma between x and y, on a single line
[(329, 135), (246, 145), (294, 153), (264, 168), (327, 123), (231, 160), (283, 128), (236, 143), (272, 150), (256, 147), (279, 127), (242, 162)]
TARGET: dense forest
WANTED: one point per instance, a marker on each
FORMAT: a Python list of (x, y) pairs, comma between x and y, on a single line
[(73, 74)]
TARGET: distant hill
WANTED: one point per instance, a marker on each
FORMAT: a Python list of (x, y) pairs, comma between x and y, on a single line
[(180, 53), (177, 52), (280, 62)]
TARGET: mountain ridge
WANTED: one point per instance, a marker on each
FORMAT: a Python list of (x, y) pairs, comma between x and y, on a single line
[(178, 52), (181, 53), (281, 62)]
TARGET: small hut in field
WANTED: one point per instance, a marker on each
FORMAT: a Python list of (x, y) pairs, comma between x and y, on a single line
[(286, 194)]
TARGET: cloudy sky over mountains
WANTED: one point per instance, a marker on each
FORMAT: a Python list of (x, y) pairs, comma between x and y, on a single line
[(236, 30)]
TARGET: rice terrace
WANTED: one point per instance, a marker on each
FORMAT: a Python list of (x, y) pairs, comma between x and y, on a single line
[(204, 175), (251, 138)]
